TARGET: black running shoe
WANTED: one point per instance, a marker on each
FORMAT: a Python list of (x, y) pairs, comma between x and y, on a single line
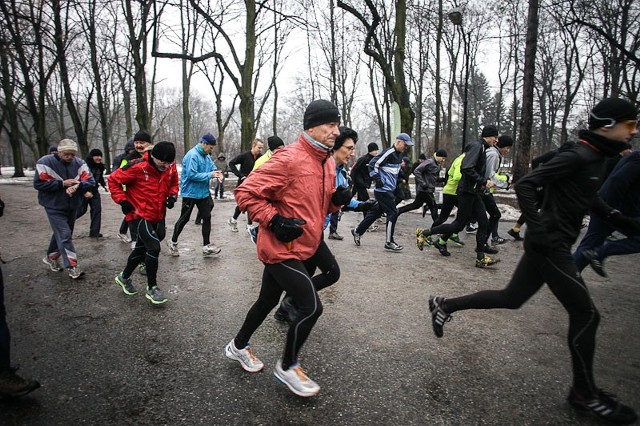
[(442, 248), (438, 315), (604, 406), (287, 311), (515, 235), (490, 250), (596, 264), (14, 386)]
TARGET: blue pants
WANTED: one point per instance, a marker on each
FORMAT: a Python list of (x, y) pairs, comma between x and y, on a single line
[(61, 244), (596, 239), (333, 222), (386, 204), (5, 336)]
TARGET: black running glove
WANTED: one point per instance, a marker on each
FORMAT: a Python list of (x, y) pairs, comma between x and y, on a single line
[(625, 224), (286, 229), (171, 201), (365, 206), (342, 196), (126, 207)]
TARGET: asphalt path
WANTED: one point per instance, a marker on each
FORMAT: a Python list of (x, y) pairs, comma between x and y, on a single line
[(104, 358)]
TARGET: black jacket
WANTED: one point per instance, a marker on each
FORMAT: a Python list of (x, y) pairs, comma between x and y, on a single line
[(556, 195), (473, 168), (360, 172), (246, 160), (97, 170)]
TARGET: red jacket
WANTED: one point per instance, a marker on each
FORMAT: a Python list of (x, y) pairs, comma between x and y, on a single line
[(298, 181), (147, 189)]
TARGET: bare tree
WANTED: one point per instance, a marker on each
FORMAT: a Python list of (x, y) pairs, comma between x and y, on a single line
[(526, 121), (376, 47)]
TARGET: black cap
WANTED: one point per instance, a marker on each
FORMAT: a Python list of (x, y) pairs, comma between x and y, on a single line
[(142, 136), (489, 131), (320, 112), (373, 147), (505, 141), (164, 151), (441, 153), (274, 142), (610, 111)]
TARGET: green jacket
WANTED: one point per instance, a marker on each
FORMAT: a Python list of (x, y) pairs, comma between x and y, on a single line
[(453, 176)]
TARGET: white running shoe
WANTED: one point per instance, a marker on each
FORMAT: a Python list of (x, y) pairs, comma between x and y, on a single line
[(125, 238), (210, 249), (296, 380), (248, 361), (75, 272), (173, 248), (233, 224), (54, 265)]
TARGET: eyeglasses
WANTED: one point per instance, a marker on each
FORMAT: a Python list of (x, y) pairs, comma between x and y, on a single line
[(631, 125), (349, 148)]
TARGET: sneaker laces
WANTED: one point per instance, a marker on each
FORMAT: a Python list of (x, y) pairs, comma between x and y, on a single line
[(252, 357), (301, 373)]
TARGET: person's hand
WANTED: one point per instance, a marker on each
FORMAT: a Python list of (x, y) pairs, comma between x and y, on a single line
[(126, 207), (490, 184), (365, 206), (70, 182), (171, 201), (342, 196), (625, 224), (217, 174), (286, 229), (72, 190)]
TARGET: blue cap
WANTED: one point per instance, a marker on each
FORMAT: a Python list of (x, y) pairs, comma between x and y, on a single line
[(209, 139), (405, 138)]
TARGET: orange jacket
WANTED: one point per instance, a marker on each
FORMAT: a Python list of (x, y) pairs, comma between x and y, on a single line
[(147, 188), (298, 181)]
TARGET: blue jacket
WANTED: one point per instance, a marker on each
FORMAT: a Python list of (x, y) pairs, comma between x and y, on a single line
[(196, 174), (384, 169), (51, 171), (342, 180)]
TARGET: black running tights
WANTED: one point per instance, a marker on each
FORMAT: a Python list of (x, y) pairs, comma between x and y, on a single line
[(290, 276), (560, 274), (147, 249)]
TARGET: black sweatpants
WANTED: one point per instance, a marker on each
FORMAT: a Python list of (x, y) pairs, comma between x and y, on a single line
[(561, 275), (421, 198), (470, 206), (494, 214), (204, 205)]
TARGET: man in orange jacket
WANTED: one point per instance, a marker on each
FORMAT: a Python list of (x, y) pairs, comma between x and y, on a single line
[(290, 197)]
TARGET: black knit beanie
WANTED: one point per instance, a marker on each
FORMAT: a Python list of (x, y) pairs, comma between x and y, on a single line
[(441, 153), (95, 152), (320, 112), (274, 142), (505, 141), (372, 147), (489, 131), (142, 136), (610, 111), (164, 151)]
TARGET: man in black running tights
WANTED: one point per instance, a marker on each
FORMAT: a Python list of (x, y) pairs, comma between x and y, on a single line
[(554, 198)]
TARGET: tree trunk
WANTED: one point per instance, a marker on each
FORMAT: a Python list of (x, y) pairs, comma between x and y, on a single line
[(526, 122)]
